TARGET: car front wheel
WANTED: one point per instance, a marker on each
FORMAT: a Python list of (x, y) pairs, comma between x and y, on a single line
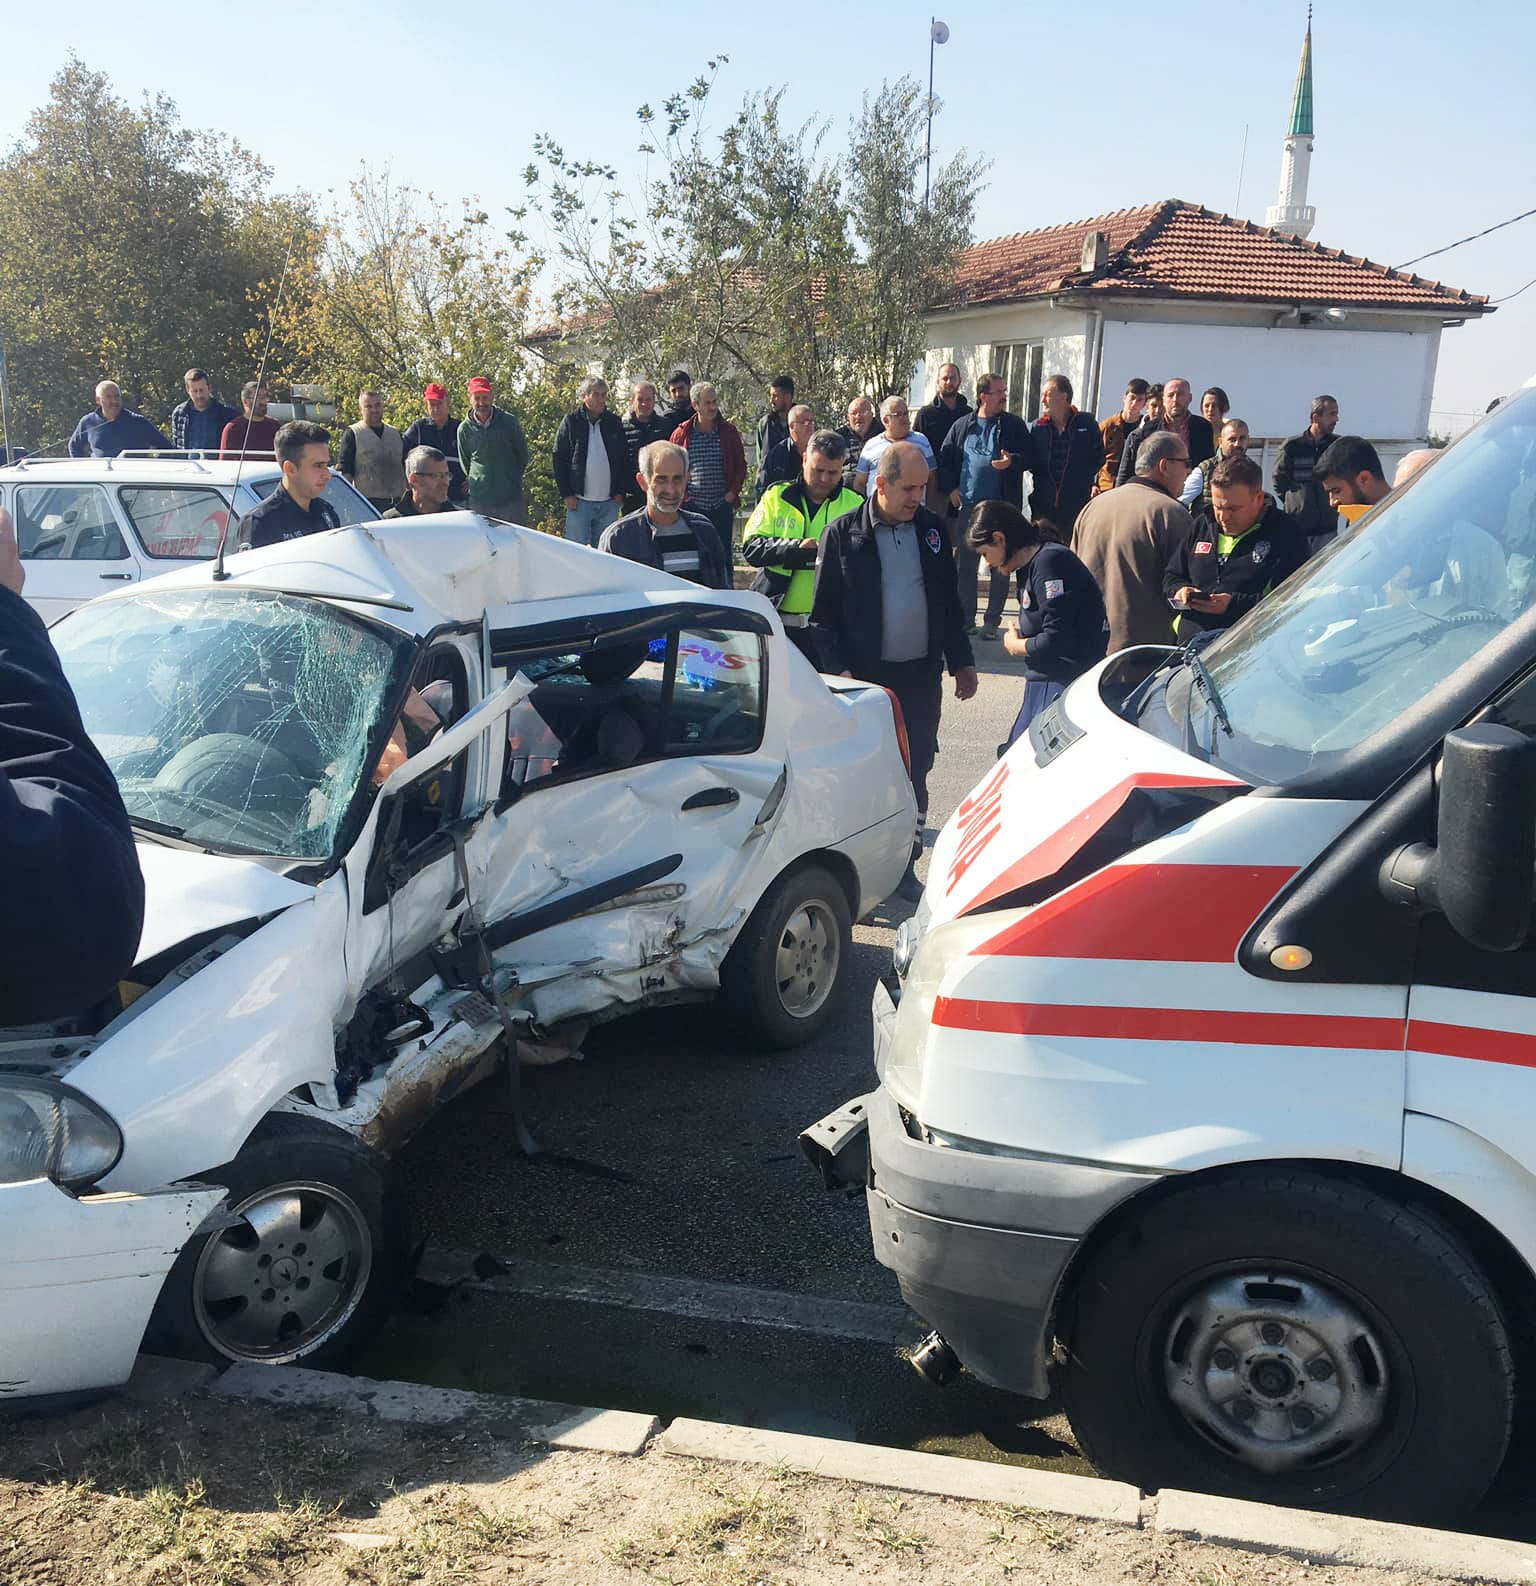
[(1290, 1338), (782, 977), (310, 1261)]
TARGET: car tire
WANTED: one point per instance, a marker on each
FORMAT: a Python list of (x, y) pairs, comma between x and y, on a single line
[(309, 1273), (783, 975), (1291, 1338)]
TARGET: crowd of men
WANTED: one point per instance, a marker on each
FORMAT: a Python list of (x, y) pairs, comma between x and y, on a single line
[(1150, 527)]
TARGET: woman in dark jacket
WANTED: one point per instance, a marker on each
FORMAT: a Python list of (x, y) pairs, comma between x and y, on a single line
[(1061, 630)]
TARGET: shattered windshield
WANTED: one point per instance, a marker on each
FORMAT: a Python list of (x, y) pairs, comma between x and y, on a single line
[(1373, 623), (233, 719)]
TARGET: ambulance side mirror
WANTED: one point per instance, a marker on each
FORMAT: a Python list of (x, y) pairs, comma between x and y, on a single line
[(1481, 873)]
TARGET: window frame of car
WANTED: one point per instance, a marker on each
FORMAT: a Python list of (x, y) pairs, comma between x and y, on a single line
[(511, 649), (221, 494), (125, 534)]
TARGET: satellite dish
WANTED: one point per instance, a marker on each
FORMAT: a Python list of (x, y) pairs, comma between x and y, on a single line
[(939, 32)]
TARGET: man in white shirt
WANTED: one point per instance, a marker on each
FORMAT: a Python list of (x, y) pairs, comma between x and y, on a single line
[(590, 456), (897, 420)]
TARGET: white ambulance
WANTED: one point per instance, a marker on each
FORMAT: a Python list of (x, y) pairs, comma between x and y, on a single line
[(1206, 1068)]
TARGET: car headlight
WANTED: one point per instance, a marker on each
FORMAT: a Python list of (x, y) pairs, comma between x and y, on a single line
[(49, 1131), (906, 945)]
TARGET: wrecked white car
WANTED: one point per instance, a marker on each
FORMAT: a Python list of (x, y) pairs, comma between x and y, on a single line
[(405, 794)]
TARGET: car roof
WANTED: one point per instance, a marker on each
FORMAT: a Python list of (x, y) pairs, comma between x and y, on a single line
[(137, 470), (418, 574)]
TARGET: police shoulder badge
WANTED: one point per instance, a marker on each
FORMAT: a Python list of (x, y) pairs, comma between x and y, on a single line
[(933, 539), (1024, 601), (1202, 547), (1053, 587), (1260, 551)]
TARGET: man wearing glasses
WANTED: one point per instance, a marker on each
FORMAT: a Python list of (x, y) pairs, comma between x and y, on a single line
[(1128, 537), (897, 423), (427, 479)]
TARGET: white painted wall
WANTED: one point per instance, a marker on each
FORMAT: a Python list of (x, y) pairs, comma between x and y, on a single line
[(1383, 379)]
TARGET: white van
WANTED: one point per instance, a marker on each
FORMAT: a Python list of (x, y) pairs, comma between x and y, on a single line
[(87, 525), (1206, 1070)]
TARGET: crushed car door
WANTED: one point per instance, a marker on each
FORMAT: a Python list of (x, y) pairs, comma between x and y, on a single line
[(404, 889), (640, 769)]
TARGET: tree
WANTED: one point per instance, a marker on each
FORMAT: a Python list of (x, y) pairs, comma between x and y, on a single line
[(910, 251), (132, 249)]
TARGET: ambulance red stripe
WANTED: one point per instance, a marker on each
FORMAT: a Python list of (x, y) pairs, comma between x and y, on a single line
[(1480, 1045), (1168, 913), (1047, 857), (1347, 1031)]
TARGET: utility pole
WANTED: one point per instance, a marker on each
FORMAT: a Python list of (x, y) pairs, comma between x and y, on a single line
[(938, 33), (5, 403)]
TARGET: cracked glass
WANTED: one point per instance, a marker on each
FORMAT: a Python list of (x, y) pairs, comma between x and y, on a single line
[(233, 719)]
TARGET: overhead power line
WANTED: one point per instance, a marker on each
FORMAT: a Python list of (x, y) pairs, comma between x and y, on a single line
[(1436, 252), (1510, 296)]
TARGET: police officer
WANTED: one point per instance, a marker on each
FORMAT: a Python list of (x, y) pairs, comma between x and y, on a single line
[(1221, 573), (297, 506), (1061, 630), (782, 535), (885, 608)]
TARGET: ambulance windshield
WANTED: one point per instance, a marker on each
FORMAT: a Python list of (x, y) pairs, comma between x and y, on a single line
[(1379, 618)]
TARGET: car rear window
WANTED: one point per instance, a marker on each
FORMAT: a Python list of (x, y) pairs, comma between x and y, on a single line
[(176, 521)]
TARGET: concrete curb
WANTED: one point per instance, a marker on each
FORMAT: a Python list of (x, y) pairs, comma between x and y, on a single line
[(1256, 1527), (1341, 1539), (938, 1475)]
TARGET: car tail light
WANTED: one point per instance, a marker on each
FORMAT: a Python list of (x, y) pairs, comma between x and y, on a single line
[(901, 730)]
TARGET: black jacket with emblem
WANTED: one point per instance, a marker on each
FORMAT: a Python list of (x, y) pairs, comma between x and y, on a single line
[(1246, 567), (1061, 616), (846, 607)]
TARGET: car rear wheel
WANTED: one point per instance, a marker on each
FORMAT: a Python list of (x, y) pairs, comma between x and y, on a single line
[(309, 1264), (782, 977), (1292, 1339)]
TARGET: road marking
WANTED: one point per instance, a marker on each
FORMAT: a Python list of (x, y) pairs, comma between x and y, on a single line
[(692, 1298)]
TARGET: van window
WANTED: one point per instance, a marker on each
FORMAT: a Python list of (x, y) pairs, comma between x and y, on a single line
[(695, 691), (1377, 620), (67, 523), (175, 521)]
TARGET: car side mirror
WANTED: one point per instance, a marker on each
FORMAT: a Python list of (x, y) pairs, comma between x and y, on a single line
[(1481, 870)]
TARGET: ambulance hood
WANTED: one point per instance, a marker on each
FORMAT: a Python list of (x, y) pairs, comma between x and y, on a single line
[(1063, 802)]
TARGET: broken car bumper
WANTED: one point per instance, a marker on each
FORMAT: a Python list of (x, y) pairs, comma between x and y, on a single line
[(79, 1278)]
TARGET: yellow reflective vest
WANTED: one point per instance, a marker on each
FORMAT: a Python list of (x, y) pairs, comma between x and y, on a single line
[(773, 539)]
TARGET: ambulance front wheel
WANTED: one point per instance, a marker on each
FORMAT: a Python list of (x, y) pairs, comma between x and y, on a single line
[(1295, 1339)]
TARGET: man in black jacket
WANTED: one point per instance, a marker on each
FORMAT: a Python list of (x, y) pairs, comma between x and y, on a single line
[(786, 460), (662, 533), (983, 458), (935, 418), (773, 426), (886, 609), (644, 422), (591, 455), (1296, 483), (74, 898), (1068, 452), (863, 425)]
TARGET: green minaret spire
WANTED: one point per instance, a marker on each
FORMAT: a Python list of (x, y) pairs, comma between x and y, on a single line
[(1301, 103)]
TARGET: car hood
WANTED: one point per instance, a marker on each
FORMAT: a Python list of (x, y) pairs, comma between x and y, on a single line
[(188, 894)]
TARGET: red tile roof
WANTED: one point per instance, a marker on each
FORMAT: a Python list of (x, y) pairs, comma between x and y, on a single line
[(1175, 249)]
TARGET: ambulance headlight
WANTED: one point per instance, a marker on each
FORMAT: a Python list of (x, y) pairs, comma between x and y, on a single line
[(49, 1131), (906, 945)]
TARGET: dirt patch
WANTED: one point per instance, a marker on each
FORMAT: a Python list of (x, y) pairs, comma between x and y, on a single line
[(205, 1492)]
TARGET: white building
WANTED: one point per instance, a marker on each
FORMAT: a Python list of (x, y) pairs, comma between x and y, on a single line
[(1172, 289)]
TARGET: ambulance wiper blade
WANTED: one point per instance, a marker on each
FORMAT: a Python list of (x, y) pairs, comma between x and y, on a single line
[(1208, 687)]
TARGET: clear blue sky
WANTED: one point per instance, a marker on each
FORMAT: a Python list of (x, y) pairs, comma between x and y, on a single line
[(1426, 124)]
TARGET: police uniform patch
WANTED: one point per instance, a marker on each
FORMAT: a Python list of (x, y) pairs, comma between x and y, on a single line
[(1260, 551), (1053, 587), (1202, 547), (933, 540), (1024, 601)]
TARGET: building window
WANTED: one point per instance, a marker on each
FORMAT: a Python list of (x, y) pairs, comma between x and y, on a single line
[(1020, 364)]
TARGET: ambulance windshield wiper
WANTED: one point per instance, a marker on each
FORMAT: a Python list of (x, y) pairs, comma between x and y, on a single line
[(1202, 674)]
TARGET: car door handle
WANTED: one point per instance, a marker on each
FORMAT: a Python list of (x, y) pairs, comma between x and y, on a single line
[(710, 797), (116, 577)]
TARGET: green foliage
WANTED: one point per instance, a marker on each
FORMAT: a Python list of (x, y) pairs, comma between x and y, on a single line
[(741, 255), (133, 248)]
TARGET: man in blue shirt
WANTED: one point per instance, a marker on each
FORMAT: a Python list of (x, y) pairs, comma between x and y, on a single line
[(983, 459), (110, 428)]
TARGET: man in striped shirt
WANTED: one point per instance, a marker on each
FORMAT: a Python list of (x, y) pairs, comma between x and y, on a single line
[(662, 534)]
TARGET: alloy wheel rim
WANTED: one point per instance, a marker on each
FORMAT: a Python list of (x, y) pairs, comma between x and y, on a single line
[(287, 1277), (806, 962)]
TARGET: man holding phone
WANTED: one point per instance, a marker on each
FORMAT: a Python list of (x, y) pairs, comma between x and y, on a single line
[(983, 458), (1221, 572)]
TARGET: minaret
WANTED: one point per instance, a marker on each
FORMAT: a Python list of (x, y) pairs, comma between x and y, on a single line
[(1293, 214)]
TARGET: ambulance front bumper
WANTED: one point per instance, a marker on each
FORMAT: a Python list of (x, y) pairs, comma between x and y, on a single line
[(979, 1243)]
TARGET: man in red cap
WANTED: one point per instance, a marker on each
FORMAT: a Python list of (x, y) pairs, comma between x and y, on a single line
[(494, 453), (439, 429)]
